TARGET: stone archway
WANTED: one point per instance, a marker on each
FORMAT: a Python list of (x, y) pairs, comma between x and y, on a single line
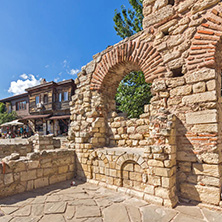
[(134, 55)]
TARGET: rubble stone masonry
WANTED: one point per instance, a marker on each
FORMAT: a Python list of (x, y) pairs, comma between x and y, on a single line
[(173, 151)]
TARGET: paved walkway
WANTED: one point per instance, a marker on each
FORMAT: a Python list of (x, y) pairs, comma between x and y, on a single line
[(89, 203)]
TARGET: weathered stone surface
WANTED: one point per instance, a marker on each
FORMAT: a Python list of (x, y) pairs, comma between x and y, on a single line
[(205, 128), (158, 16), (201, 5), (116, 213), (87, 211), (55, 208), (207, 116), (174, 82), (181, 90), (185, 218), (200, 97), (53, 217), (206, 169), (199, 87), (202, 75), (212, 216), (210, 195), (156, 214)]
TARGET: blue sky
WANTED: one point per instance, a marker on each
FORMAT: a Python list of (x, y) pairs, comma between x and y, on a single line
[(51, 39)]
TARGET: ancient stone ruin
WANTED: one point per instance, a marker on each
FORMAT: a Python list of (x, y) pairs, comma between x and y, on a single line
[(173, 151)]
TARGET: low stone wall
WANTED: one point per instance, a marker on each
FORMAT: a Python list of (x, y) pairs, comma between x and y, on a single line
[(36, 170), (147, 172), (16, 146), (129, 132)]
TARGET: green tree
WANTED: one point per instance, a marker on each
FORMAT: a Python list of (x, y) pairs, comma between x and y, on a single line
[(133, 92), (2, 107), (7, 117), (129, 21)]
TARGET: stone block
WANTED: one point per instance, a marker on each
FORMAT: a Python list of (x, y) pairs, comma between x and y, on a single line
[(8, 178), (206, 116), (149, 189), (155, 163), (174, 82), (199, 87), (201, 75), (153, 199), (33, 164), (168, 182), (210, 195), (211, 85), (164, 192), (206, 169), (165, 172), (154, 180), (28, 175), (41, 182), (19, 166), (205, 128), (199, 98), (158, 16)]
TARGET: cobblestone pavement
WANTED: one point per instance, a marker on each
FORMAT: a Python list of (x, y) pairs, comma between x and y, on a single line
[(90, 203)]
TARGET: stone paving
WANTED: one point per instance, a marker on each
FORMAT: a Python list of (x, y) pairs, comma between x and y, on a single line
[(89, 203)]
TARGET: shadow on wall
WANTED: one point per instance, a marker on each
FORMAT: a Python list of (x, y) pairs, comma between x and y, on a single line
[(198, 180)]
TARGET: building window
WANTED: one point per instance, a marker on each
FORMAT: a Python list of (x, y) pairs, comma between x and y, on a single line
[(66, 96), (60, 97), (45, 99), (37, 100), (21, 105)]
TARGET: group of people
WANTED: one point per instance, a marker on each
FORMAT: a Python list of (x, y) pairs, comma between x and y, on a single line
[(12, 132)]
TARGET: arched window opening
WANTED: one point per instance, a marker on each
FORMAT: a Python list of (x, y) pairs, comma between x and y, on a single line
[(132, 94)]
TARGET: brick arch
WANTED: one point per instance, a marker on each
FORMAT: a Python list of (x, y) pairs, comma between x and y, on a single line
[(141, 54), (133, 158), (204, 44)]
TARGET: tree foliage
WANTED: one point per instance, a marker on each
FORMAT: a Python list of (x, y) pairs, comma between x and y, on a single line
[(129, 21), (133, 92), (2, 107), (5, 116)]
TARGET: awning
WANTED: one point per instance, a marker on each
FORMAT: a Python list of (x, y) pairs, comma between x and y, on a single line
[(36, 116), (13, 123), (60, 117)]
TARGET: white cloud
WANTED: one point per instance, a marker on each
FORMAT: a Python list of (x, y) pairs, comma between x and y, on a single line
[(65, 63), (56, 79), (74, 71), (24, 76), (19, 86)]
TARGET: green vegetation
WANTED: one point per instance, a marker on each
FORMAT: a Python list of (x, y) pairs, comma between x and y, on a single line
[(133, 92), (5, 116)]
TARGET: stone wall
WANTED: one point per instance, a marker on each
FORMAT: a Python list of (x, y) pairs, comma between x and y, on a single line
[(21, 147), (179, 52), (38, 169), (34, 143)]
